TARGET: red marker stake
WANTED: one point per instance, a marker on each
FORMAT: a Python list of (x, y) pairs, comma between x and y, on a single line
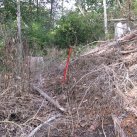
[(67, 65)]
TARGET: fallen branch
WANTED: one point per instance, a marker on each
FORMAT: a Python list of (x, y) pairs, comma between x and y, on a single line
[(120, 41), (103, 129), (129, 36), (118, 130), (117, 20), (50, 99), (121, 19), (34, 117), (129, 51), (46, 122), (124, 39)]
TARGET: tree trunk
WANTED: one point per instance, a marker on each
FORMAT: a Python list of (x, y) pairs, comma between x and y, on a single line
[(51, 13), (129, 10), (37, 9), (62, 7), (19, 44), (105, 17)]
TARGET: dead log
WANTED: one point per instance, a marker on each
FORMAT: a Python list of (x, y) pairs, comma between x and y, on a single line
[(50, 99), (46, 122)]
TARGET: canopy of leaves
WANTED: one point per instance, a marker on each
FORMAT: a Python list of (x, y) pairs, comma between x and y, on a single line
[(70, 30), (75, 29)]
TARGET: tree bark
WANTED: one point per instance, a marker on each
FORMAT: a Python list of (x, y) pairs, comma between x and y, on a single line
[(50, 99), (47, 122), (51, 13), (37, 10), (62, 7), (19, 44), (129, 10), (105, 17)]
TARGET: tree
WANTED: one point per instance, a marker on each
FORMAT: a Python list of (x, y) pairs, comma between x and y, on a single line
[(105, 17), (19, 44), (74, 29)]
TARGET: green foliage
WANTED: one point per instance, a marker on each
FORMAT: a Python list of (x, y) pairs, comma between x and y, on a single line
[(72, 29), (75, 29), (135, 6), (9, 10), (37, 33), (94, 5), (35, 25)]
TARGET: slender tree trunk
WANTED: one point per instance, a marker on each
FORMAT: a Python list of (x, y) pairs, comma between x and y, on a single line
[(19, 44), (30, 9), (105, 17), (51, 13), (129, 10), (62, 7), (37, 9)]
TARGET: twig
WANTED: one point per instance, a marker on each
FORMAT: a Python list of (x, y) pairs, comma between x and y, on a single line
[(46, 122), (4, 91), (103, 129), (84, 96), (35, 114), (89, 73), (50, 99), (84, 77), (83, 100), (13, 123), (118, 129)]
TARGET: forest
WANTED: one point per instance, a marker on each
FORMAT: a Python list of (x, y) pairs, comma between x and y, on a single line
[(68, 68)]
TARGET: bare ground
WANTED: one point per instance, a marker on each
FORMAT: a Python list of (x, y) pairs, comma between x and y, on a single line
[(100, 97)]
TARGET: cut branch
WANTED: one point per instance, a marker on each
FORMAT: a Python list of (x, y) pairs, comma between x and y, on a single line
[(46, 122), (128, 37), (117, 20), (121, 19), (50, 99)]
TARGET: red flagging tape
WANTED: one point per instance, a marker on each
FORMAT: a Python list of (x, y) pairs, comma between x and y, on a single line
[(67, 65)]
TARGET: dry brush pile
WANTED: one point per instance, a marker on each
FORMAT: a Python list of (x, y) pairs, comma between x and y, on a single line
[(99, 98)]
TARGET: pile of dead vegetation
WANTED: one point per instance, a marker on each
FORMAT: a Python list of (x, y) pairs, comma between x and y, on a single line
[(98, 99)]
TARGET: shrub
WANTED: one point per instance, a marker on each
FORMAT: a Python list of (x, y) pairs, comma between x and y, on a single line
[(75, 29)]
